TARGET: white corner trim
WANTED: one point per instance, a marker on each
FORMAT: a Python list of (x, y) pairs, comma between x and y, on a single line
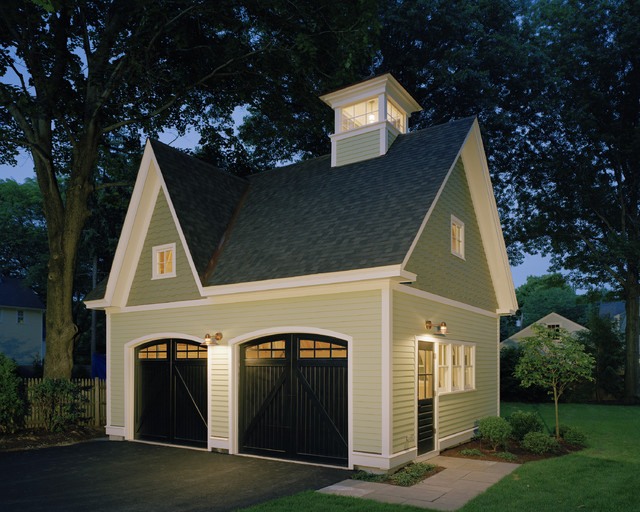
[(386, 379), (403, 288), (386, 272)]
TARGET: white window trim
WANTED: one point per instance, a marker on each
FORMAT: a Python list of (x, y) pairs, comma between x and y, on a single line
[(457, 222), (154, 261), (446, 388)]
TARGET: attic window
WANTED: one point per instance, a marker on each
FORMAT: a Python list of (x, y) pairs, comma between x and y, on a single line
[(164, 261), (19, 317), (457, 237), (359, 114)]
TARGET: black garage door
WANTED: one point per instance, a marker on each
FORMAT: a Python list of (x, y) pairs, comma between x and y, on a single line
[(171, 392), (293, 398)]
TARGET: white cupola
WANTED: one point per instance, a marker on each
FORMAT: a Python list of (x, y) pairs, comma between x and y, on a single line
[(369, 116)]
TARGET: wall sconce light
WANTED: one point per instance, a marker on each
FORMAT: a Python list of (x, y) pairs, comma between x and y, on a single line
[(208, 340), (440, 329)]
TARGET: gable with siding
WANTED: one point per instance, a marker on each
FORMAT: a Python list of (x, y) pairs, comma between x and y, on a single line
[(145, 290), (439, 271)]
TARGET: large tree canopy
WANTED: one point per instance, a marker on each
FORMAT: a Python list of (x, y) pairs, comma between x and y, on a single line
[(78, 74), (575, 185)]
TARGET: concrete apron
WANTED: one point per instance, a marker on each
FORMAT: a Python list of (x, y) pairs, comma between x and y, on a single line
[(450, 489)]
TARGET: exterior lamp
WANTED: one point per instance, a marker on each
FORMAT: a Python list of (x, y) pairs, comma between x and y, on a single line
[(440, 329), (208, 340)]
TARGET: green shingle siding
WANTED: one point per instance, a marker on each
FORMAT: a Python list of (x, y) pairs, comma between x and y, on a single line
[(145, 290), (358, 147), (458, 411), (356, 314), (439, 271)]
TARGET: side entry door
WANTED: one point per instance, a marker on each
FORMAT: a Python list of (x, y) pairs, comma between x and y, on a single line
[(426, 431)]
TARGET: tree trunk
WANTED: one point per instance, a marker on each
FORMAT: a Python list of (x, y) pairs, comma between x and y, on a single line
[(64, 225), (631, 334), (555, 401)]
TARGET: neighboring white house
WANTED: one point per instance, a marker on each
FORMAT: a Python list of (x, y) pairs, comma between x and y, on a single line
[(21, 322), (551, 320)]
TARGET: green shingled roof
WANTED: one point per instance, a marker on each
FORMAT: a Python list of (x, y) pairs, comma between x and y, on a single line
[(204, 198), (310, 218)]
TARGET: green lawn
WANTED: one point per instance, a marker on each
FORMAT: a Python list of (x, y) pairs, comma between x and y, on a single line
[(604, 476)]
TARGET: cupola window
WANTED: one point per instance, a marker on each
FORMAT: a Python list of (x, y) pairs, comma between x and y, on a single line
[(360, 114), (396, 117)]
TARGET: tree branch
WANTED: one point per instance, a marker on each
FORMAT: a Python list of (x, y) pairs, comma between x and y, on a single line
[(176, 97), (114, 184)]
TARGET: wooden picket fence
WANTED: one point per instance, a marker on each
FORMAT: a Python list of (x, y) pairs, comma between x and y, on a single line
[(94, 407)]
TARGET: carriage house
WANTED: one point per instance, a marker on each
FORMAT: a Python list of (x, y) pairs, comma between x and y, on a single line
[(342, 310)]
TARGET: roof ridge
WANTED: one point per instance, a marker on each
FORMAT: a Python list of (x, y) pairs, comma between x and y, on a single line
[(183, 153)]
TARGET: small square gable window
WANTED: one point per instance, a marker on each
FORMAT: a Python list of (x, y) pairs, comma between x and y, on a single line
[(164, 261), (457, 237)]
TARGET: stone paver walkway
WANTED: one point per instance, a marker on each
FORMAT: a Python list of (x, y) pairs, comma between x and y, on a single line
[(448, 490)]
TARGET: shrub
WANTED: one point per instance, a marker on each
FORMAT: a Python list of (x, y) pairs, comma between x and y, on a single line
[(538, 442), (13, 406), (495, 430), (368, 477), (60, 402), (474, 451), (412, 474), (572, 435), (524, 422), (507, 456)]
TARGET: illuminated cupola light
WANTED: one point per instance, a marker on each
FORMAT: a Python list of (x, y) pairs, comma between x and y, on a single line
[(368, 117)]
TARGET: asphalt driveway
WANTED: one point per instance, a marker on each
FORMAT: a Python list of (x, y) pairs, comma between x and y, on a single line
[(124, 476)]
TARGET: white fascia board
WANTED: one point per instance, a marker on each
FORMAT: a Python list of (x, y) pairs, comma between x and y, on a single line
[(127, 228), (366, 274), (384, 84), (486, 209)]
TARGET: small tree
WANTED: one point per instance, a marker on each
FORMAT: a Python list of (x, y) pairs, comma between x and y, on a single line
[(554, 360)]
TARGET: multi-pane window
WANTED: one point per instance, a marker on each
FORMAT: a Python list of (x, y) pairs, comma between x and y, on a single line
[(456, 363), (321, 349), (468, 367), (189, 351), (443, 366), (164, 261), (158, 351), (395, 116), (359, 114), (456, 368), (267, 350), (457, 237), (20, 317)]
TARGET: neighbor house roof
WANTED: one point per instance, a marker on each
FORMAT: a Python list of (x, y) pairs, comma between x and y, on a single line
[(16, 294), (550, 319)]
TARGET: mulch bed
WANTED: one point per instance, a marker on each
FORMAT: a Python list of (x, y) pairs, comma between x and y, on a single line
[(514, 448), (29, 439)]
